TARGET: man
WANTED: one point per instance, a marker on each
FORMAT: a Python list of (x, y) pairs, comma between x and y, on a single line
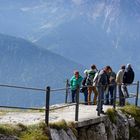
[(89, 83), (102, 84), (84, 88), (75, 82), (128, 78), (119, 81), (111, 87)]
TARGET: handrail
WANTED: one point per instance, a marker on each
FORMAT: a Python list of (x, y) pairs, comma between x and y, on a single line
[(48, 90), (21, 87)]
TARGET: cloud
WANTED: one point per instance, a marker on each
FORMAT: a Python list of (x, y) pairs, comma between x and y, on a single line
[(98, 9), (77, 2)]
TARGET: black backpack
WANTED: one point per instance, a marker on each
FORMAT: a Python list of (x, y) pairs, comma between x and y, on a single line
[(128, 77)]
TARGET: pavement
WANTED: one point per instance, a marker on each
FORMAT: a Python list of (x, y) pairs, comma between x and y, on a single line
[(86, 112)]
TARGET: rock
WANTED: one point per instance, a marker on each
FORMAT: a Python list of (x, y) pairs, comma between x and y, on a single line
[(4, 137), (62, 134), (71, 135), (122, 126)]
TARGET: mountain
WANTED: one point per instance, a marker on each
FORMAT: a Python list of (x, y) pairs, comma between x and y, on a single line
[(24, 64), (101, 31)]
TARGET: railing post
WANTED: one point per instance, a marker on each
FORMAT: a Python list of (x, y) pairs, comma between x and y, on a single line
[(137, 94), (67, 88), (99, 100), (47, 105), (77, 104), (114, 96)]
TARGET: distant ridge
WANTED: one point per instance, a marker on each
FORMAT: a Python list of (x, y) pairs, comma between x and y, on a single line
[(23, 63)]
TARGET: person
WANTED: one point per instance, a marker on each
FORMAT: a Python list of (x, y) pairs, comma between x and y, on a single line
[(119, 81), (128, 78), (102, 83), (111, 88), (89, 83), (74, 83), (84, 88)]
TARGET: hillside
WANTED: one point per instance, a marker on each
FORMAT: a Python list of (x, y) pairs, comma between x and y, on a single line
[(23, 63)]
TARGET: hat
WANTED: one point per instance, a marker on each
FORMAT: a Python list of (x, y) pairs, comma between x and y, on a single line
[(128, 65), (85, 71)]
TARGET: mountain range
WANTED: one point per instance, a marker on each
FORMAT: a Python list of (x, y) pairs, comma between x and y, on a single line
[(91, 31), (24, 64), (101, 32)]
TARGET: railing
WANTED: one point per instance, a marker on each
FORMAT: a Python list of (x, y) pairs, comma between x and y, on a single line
[(48, 91)]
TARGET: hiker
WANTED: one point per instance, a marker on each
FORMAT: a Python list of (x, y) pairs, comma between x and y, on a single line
[(102, 84), (84, 88), (89, 83), (119, 81), (128, 78), (75, 82), (111, 88)]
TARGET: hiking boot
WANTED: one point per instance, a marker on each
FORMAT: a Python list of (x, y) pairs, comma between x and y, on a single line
[(102, 112)]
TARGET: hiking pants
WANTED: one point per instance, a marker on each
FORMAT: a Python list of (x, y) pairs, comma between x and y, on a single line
[(109, 95), (73, 95), (121, 96), (100, 103), (90, 89)]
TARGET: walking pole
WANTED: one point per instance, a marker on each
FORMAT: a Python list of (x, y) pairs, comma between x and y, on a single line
[(99, 100), (137, 94)]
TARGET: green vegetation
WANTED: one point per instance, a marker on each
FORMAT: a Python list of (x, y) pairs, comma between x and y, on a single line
[(35, 132), (134, 133), (111, 114), (59, 125), (133, 111)]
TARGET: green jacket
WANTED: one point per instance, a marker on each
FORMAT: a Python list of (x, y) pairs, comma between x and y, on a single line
[(75, 82)]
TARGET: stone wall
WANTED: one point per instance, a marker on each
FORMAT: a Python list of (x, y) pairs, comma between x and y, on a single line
[(105, 130)]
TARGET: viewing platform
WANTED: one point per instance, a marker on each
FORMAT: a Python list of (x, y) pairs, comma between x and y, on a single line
[(87, 115)]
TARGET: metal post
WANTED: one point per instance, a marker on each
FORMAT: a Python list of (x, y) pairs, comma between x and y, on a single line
[(114, 96), (99, 100), (77, 104), (137, 94), (67, 88), (47, 105)]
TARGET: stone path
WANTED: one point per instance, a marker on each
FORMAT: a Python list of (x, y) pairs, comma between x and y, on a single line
[(67, 113)]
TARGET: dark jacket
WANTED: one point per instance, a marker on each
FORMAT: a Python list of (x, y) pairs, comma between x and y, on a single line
[(84, 89), (103, 78), (129, 75)]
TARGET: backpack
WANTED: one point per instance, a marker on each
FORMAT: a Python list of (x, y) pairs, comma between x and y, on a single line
[(128, 76), (90, 77), (95, 80)]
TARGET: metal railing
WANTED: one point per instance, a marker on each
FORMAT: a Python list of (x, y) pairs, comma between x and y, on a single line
[(48, 91)]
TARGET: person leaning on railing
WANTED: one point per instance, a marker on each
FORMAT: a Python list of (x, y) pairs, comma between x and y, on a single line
[(128, 78), (102, 83), (74, 83), (119, 81), (111, 87)]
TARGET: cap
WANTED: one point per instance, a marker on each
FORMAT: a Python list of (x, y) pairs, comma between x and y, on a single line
[(85, 71), (128, 65)]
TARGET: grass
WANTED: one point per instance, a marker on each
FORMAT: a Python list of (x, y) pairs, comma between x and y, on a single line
[(111, 114), (35, 132), (65, 126), (133, 111), (59, 125), (134, 133)]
